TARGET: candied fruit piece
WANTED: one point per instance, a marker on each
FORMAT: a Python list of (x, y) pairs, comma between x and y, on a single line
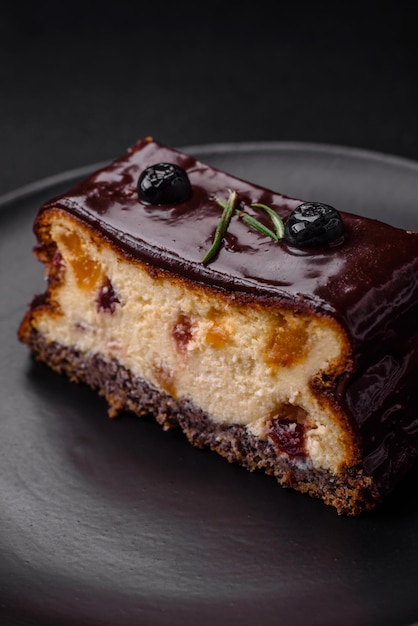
[(165, 379), (216, 336), (288, 436), (107, 299), (87, 272), (287, 345), (72, 242), (57, 260), (55, 268), (182, 331)]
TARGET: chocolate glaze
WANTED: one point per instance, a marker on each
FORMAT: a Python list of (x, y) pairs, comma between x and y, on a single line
[(368, 284)]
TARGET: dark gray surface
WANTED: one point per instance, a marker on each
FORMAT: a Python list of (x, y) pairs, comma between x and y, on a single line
[(106, 522)]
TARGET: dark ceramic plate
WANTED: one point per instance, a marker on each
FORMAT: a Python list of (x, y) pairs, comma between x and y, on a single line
[(116, 523)]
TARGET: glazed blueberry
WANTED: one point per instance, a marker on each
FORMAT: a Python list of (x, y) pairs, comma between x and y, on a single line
[(164, 183), (314, 224)]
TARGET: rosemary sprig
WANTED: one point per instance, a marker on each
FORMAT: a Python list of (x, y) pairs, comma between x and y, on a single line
[(275, 218), (222, 227), (228, 211), (264, 230)]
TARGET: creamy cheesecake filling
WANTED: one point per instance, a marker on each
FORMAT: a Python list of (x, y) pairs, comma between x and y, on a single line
[(243, 365)]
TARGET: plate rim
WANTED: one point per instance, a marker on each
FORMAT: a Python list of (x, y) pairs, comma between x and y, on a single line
[(227, 148), (241, 147)]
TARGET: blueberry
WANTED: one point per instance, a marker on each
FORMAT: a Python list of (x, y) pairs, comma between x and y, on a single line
[(164, 183), (314, 224)]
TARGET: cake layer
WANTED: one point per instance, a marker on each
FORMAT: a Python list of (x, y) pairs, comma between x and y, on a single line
[(240, 362)]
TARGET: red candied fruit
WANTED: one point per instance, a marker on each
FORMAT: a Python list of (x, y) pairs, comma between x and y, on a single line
[(107, 299), (57, 260), (182, 331), (55, 268), (288, 436)]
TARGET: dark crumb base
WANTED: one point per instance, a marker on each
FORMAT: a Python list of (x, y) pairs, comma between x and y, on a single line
[(351, 492)]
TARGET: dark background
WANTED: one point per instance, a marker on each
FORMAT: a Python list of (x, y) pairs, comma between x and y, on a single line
[(80, 82)]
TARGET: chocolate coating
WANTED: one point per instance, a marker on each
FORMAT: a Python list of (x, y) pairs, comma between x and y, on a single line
[(352, 281), (368, 284)]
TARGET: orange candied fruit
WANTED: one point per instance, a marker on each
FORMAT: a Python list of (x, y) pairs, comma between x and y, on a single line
[(72, 242), (217, 336), (287, 345), (87, 271), (165, 379)]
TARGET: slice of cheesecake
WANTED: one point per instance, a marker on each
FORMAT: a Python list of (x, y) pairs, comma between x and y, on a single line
[(279, 333)]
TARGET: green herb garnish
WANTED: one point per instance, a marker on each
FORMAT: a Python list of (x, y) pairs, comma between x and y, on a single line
[(227, 213), (258, 226), (275, 218), (222, 227), (264, 230)]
